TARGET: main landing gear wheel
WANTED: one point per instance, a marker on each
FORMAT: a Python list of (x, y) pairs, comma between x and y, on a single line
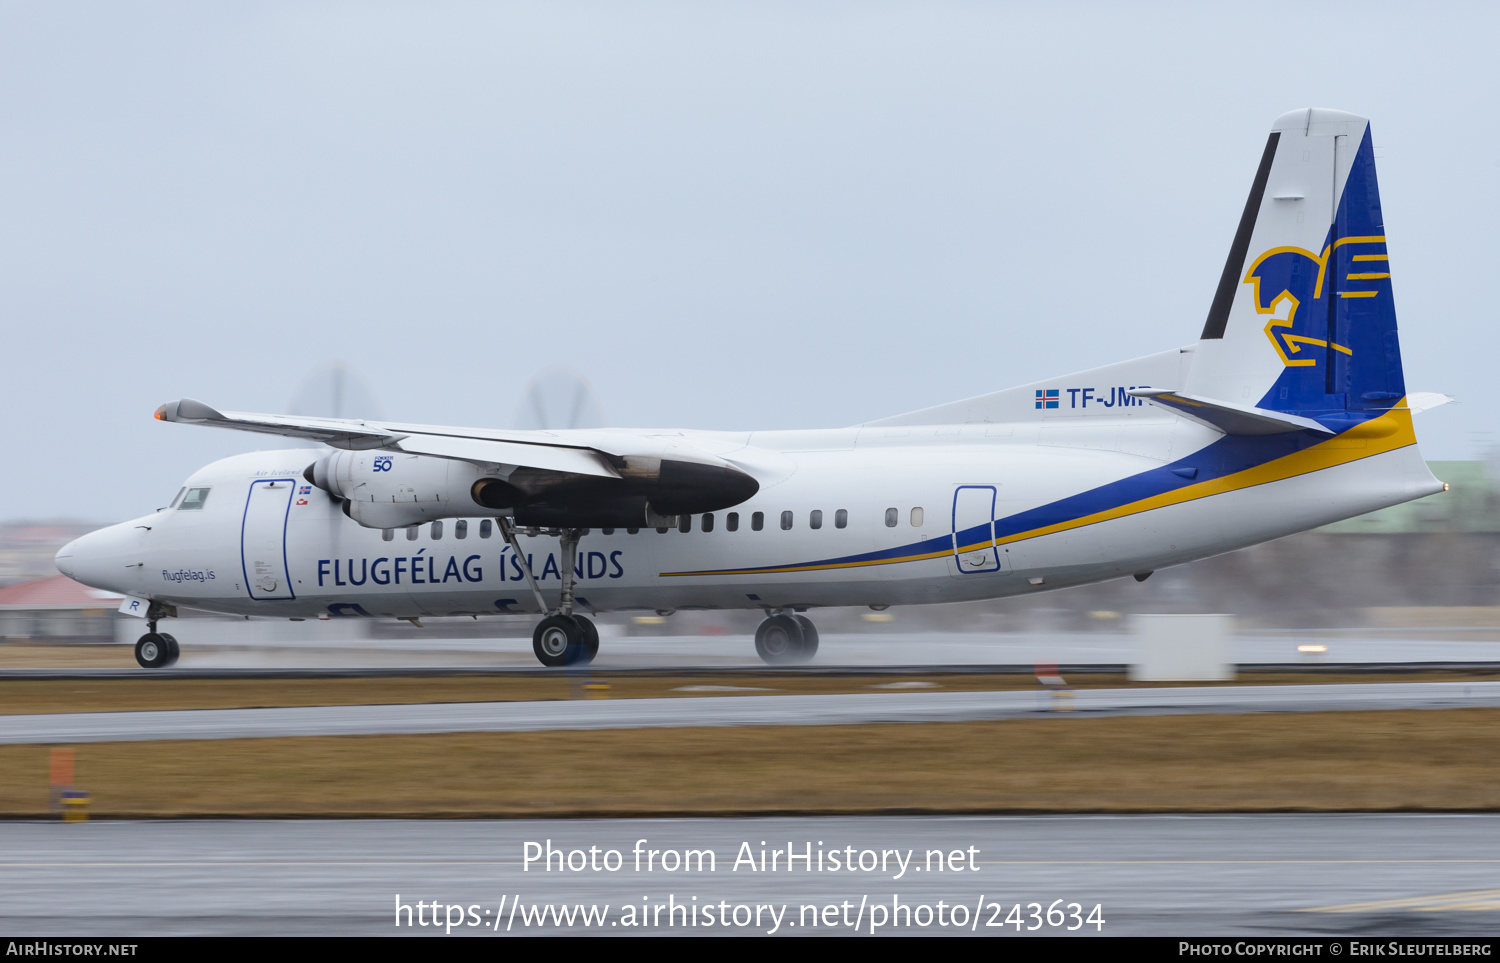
[(153, 651), (172, 650), (561, 640), (590, 641), (786, 639), (809, 637)]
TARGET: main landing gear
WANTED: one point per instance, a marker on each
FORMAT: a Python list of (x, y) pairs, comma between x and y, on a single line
[(565, 640), (156, 650), (786, 639), (563, 637)]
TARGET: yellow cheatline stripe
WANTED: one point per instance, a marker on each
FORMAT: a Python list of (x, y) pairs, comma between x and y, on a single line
[(1388, 432), (1371, 257), (1358, 294), (1479, 899), (1365, 277), (923, 556)]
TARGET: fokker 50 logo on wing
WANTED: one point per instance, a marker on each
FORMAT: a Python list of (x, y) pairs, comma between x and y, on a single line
[(1292, 286)]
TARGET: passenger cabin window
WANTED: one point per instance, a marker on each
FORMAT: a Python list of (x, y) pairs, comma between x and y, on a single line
[(815, 519), (388, 534), (685, 524), (632, 531), (437, 531), (891, 517), (485, 528), (411, 532), (758, 521), (461, 529), (708, 522), (662, 531), (732, 522), (193, 500), (916, 518), (841, 519), (786, 521), (606, 531)]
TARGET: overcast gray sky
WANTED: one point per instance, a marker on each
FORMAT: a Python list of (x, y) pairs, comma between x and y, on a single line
[(727, 215)]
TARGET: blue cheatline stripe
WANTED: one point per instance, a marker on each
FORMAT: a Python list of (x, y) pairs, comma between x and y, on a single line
[(1214, 464)]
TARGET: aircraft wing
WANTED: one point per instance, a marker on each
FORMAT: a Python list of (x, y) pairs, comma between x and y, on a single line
[(415, 439), (616, 478)]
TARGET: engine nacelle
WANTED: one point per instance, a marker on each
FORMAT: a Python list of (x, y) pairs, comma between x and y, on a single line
[(386, 489)]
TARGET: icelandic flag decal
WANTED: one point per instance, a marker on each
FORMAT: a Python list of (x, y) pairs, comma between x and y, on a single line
[(1047, 398)]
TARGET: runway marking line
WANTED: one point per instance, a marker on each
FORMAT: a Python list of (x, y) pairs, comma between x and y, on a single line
[(1474, 900)]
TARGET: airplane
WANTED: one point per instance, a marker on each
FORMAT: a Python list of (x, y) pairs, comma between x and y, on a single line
[(1289, 412)]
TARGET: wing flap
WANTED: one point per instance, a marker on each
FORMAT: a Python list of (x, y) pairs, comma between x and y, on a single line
[(573, 461)]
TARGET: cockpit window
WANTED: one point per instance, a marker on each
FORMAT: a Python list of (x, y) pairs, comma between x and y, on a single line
[(176, 498), (193, 500)]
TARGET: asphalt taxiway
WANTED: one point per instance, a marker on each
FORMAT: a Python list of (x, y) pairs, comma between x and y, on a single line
[(1181, 876), (743, 710)]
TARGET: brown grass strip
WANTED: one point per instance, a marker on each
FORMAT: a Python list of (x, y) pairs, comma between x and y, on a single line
[(1442, 760)]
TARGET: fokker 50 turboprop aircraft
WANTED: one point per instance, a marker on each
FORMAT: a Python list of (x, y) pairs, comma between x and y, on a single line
[(1289, 412)]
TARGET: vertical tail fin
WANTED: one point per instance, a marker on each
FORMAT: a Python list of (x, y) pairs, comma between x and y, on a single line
[(1303, 320)]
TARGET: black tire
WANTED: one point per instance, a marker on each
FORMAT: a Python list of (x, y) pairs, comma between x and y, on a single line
[(590, 640), (173, 652), (809, 646), (778, 640), (558, 641), (152, 651)]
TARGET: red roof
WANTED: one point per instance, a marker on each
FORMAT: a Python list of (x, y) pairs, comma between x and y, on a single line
[(59, 592)]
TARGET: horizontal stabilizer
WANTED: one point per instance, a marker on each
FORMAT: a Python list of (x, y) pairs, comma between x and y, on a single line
[(1229, 418), (1420, 401)]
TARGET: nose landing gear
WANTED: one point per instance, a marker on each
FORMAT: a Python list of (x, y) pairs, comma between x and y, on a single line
[(156, 650), (786, 639)]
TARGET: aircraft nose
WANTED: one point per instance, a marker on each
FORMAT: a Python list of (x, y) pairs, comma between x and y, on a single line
[(64, 559), (98, 559)]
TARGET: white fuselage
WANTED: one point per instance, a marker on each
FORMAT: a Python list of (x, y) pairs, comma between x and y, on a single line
[(930, 481)]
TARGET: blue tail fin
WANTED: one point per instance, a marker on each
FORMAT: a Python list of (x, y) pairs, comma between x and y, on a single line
[(1304, 321)]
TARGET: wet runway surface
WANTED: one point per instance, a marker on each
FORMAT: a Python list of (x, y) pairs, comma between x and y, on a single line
[(1259, 875), (317, 647), (899, 706)]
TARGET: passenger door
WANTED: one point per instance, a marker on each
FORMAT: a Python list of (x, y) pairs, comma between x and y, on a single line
[(263, 539), (974, 549)]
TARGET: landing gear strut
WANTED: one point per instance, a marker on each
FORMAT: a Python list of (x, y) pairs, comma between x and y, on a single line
[(786, 639), (562, 638), (155, 650)]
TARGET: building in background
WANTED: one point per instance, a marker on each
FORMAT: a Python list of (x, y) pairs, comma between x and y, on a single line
[(57, 609)]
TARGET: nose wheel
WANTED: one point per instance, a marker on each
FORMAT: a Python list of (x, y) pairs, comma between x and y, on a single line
[(561, 640), (786, 640), (156, 650)]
